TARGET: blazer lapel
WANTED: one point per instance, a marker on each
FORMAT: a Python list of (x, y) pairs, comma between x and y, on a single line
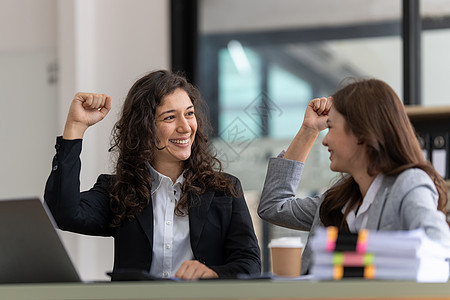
[(145, 219), (376, 209), (197, 216)]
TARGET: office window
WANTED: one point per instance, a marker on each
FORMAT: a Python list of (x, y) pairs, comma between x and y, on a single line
[(291, 94), (435, 67), (241, 94), (435, 49), (259, 68), (239, 80), (302, 42)]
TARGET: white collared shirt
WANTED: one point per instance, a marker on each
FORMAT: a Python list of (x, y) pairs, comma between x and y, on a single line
[(171, 239), (357, 221)]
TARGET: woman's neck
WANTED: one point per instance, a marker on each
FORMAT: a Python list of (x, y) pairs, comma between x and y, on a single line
[(364, 181), (171, 170)]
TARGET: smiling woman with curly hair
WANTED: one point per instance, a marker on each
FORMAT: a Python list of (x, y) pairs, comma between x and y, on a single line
[(169, 206), (135, 148)]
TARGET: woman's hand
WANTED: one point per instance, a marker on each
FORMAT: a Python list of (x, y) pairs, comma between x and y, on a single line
[(86, 110), (193, 269), (316, 114), (315, 120)]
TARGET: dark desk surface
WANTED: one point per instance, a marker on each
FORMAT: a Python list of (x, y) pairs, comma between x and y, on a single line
[(230, 289)]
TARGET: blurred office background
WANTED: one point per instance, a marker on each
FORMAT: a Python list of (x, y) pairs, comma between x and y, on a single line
[(257, 63)]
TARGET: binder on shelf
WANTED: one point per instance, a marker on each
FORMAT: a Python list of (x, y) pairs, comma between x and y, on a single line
[(440, 153), (425, 144)]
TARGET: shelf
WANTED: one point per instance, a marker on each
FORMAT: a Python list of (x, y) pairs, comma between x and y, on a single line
[(432, 120), (427, 113)]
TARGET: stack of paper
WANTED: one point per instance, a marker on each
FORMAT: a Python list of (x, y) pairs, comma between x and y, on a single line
[(400, 255)]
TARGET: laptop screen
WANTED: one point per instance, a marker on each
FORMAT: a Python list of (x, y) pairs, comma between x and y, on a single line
[(31, 250)]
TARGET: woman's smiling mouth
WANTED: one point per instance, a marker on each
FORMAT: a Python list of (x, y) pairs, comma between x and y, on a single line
[(180, 142)]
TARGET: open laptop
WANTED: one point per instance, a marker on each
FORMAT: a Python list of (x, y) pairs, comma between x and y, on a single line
[(31, 250)]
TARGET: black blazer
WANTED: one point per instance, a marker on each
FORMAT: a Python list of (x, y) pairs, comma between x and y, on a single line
[(221, 230)]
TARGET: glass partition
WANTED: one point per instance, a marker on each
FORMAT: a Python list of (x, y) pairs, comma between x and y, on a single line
[(435, 48)]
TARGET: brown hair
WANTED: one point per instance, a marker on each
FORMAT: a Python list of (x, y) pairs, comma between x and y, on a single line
[(376, 116), (134, 140)]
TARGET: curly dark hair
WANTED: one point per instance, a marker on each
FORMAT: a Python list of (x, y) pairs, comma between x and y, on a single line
[(135, 143)]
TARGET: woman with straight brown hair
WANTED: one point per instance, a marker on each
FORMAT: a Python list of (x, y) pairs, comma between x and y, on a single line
[(386, 183)]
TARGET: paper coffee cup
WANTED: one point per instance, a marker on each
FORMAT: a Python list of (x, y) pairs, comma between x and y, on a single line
[(286, 255)]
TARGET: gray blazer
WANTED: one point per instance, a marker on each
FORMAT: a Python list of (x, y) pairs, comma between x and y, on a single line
[(403, 202)]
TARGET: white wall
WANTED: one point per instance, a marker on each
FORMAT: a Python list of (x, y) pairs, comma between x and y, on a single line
[(27, 95)]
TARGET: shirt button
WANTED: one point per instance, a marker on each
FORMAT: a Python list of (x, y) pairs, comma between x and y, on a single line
[(166, 274), (168, 223), (168, 246)]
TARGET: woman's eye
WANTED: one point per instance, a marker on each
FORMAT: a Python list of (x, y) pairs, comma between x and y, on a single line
[(190, 113), (169, 118)]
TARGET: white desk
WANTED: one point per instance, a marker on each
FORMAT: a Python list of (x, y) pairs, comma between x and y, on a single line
[(230, 289)]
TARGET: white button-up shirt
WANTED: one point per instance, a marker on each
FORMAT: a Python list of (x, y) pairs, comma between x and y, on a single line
[(358, 220), (171, 239)]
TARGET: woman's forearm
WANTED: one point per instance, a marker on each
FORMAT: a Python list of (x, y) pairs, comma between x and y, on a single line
[(302, 144)]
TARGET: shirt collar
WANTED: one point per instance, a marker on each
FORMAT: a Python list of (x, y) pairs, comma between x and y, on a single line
[(158, 179), (371, 193)]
